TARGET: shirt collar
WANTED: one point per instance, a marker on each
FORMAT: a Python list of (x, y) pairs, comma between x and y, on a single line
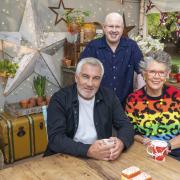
[(123, 42)]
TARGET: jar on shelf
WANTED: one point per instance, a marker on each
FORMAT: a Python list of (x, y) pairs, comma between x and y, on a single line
[(89, 30)]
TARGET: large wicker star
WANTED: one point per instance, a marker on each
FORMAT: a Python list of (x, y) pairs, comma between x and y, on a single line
[(58, 19), (126, 28)]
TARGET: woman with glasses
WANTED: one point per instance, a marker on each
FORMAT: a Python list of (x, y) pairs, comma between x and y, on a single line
[(154, 110)]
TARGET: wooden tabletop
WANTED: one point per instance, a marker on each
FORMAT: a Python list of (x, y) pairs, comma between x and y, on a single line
[(64, 167)]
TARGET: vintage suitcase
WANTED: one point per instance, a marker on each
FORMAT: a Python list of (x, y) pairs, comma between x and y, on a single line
[(24, 136)]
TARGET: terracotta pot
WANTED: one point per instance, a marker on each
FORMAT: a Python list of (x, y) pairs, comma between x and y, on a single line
[(172, 76), (24, 103), (40, 99), (47, 100), (67, 62), (178, 77), (32, 101), (73, 27)]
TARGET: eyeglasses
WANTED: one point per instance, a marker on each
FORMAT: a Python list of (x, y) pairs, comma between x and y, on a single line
[(153, 73)]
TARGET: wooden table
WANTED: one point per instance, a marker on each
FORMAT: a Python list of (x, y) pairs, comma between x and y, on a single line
[(64, 167)]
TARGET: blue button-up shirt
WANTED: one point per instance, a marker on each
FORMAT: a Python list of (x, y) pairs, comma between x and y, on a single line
[(119, 66)]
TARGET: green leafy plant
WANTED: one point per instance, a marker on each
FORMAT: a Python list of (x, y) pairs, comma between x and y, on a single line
[(76, 16), (8, 68), (166, 31), (39, 85), (174, 68)]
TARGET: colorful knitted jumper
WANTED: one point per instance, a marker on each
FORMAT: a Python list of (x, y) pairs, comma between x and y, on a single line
[(155, 117)]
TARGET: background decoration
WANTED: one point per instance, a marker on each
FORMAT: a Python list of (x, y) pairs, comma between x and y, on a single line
[(36, 55), (127, 29), (10, 23), (54, 9)]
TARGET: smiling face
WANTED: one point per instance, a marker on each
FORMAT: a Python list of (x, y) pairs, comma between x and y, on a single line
[(88, 80), (113, 28), (155, 76)]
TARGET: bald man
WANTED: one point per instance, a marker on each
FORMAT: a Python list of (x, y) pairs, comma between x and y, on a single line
[(119, 55)]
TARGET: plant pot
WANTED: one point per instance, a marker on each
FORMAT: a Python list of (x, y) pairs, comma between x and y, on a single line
[(73, 27), (178, 77), (32, 101), (172, 76), (40, 101), (67, 62), (47, 100), (24, 103)]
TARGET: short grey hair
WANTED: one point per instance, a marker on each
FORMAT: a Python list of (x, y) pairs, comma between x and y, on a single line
[(159, 56), (92, 61)]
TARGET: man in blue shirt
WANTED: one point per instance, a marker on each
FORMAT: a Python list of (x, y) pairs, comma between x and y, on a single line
[(119, 55)]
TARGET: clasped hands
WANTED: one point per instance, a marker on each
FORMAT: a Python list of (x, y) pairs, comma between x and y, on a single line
[(103, 150)]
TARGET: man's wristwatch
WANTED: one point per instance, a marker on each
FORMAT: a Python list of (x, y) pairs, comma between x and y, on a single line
[(169, 146)]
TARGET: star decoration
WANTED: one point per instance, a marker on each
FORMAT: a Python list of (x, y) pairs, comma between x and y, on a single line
[(126, 28), (58, 19), (34, 52)]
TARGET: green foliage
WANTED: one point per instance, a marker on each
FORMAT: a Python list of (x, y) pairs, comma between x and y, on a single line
[(8, 67), (39, 85), (76, 16), (166, 31), (174, 68)]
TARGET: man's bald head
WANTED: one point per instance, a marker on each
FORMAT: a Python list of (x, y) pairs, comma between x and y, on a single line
[(114, 15)]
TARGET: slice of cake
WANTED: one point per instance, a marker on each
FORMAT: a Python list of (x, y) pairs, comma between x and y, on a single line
[(130, 172), (142, 176)]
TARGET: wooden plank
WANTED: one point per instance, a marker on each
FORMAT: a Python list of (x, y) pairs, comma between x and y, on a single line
[(66, 167)]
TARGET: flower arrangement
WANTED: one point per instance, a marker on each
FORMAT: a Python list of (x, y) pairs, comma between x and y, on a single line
[(75, 19), (148, 44)]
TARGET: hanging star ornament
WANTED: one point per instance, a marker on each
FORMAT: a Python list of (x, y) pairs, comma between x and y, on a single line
[(127, 29), (35, 53), (59, 16)]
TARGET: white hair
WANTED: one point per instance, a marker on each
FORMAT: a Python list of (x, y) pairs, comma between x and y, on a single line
[(92, 61)]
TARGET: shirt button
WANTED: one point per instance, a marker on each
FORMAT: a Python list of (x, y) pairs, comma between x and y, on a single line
[(114, 67), (114, 55), (114, 77), (114, 89)]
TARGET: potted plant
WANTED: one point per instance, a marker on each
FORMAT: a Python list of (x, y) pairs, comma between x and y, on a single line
[(174, 73), (39, 86), (75, 19), (8, 68)]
